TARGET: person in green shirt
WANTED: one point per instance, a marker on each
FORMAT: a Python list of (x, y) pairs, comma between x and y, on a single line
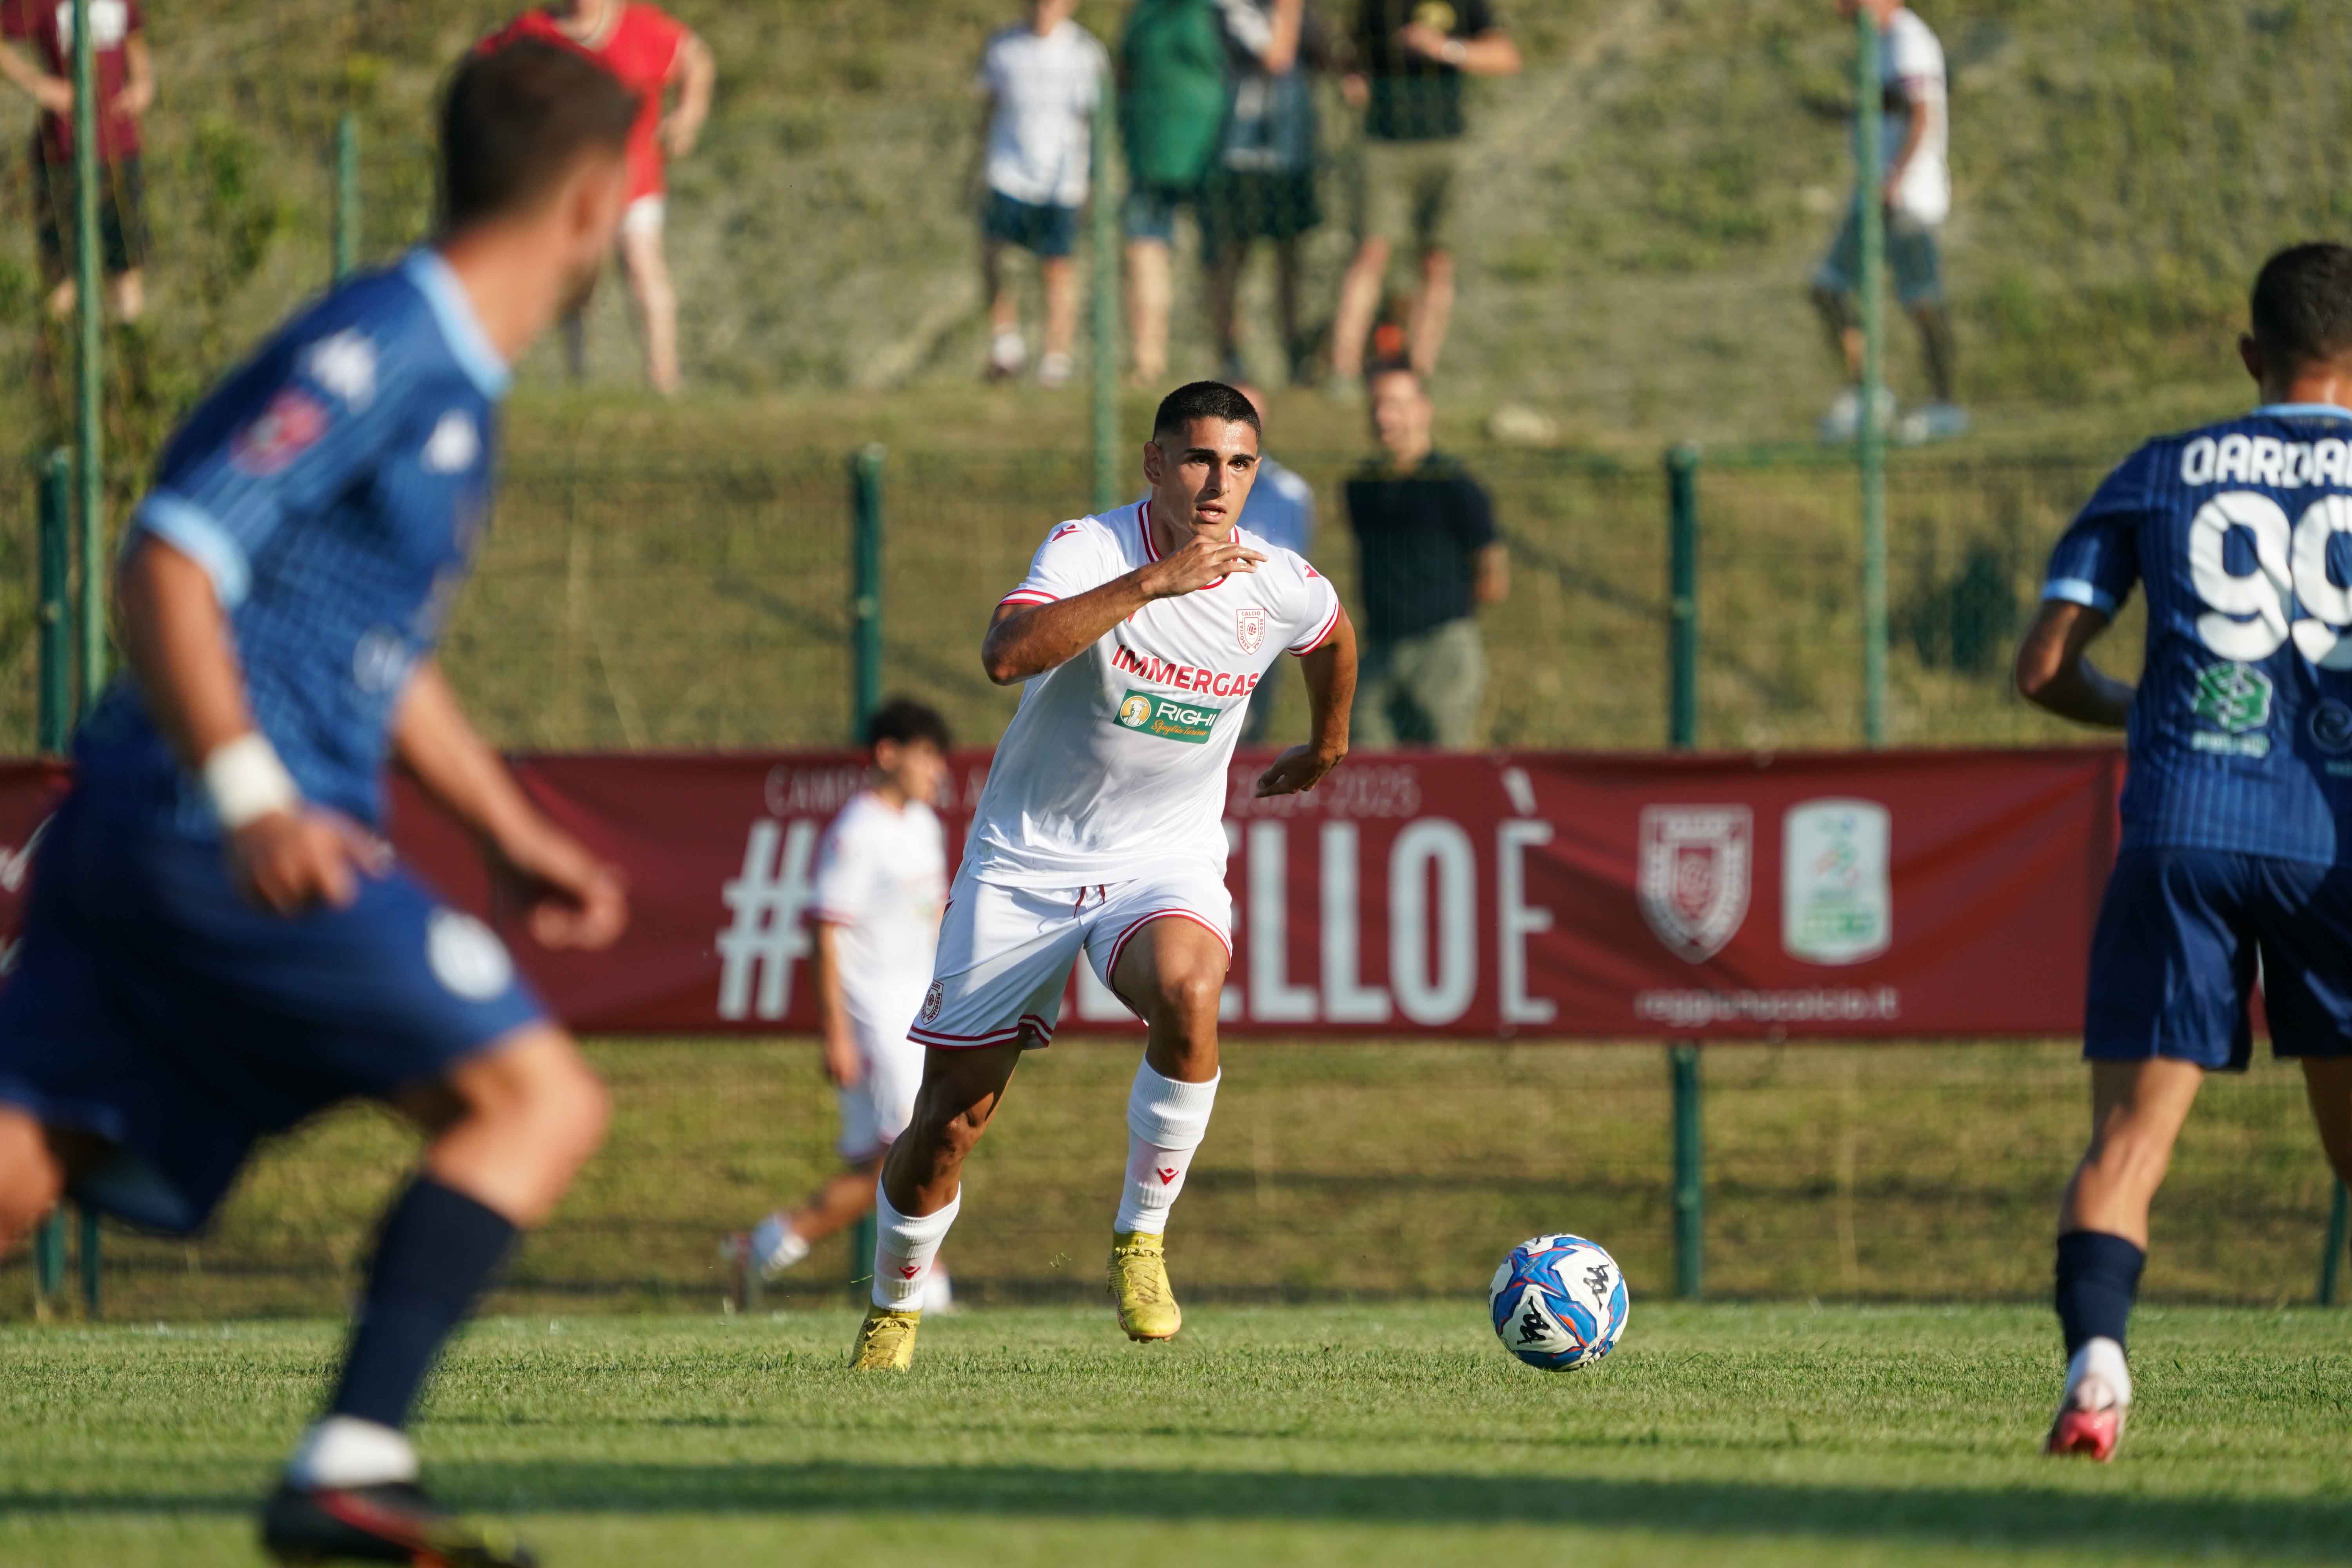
[(1410, 59), (1172, 119)]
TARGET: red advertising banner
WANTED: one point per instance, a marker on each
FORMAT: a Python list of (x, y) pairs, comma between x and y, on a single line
[(1893, 895)]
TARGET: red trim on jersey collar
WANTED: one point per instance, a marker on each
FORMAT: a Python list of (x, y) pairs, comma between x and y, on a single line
[(1143, 521)]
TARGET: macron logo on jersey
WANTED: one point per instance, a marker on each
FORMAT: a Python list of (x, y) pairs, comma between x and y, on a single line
[(344, 364), (1064, 531), (1182, 677)]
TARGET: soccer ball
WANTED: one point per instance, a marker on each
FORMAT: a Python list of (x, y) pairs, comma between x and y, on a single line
[(1559, 1302)]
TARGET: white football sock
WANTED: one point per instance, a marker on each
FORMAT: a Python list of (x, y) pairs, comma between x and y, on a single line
[(904, 1251), (2102, 1358), (1165, 1122), (345, 1451), (776, 1246)]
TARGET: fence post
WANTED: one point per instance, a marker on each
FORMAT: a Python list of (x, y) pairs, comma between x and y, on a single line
[(1106, 306), (1682, 734), (2339, 1217), (1690, 1174), (865, 584), (89, 310), (57, 631), (866, 614), (1870, 438), (1682, 597), (347, 196), (55, 616)]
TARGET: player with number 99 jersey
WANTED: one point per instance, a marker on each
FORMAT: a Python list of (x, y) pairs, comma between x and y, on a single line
[(2236, 866), (2242, 729)]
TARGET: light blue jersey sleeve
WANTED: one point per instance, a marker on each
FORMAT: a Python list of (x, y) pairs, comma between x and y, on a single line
[(309, 420), (2096, 560)]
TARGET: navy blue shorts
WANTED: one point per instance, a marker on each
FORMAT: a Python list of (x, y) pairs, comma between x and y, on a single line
[(2174, 960), (153, 1005), (1046, 229)]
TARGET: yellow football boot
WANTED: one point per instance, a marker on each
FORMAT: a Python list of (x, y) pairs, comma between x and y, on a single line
[(1139, 1283), (886, 1340)]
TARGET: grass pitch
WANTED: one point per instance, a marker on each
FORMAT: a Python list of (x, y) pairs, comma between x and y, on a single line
[(1343, 1435)]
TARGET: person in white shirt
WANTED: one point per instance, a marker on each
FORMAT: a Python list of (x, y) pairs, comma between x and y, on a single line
[(881, 882), (1043, 79), (1916, 189), (1138, 637)]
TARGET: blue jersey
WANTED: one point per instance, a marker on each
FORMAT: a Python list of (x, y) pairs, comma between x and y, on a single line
[(333, 490), (2241, 734)]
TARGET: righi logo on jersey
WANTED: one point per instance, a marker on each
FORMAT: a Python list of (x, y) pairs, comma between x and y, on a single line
[(2234, 698), (1694, 876), (1168, 718)]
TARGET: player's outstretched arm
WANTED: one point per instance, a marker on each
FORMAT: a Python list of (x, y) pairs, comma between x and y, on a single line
[(1330, 672), (2054, 671), (575, 900), (175, 637), (1026, 640)]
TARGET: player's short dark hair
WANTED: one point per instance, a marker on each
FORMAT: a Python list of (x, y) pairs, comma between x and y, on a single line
[(2302, 306), (1203, 400), (1382, 367), (905, 720), (516, 119)]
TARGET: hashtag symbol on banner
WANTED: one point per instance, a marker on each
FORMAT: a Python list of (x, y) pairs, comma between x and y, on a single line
[(756, 952)]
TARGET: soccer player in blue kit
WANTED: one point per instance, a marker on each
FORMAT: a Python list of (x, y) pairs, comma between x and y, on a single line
[(2237, 816), (218, 943)]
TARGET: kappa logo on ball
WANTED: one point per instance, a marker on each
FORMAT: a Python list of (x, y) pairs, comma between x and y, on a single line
[(933, 1000), (1694, 876), (1250, 628)]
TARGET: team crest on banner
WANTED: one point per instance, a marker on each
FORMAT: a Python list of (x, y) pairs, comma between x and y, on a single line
[(1251, 628), (1694, 876)]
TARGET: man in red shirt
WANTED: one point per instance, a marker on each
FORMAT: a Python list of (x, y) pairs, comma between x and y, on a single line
[(126, 86), (652, 53)]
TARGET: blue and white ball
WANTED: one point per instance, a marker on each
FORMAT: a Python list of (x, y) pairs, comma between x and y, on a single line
[(1559, 1302)]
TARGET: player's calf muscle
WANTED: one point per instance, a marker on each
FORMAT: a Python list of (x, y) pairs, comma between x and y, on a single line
[(32, 1179)]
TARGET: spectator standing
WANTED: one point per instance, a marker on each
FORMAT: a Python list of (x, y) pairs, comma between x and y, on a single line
[(1043, 79), (1412, 56), (653, 53), (1280, 510), (1916, 189), (1171, 117), (1428, 557), (1262, 186), (126, 87)]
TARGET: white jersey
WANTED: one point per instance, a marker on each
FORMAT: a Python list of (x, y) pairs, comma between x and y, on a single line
[(882, 878), (1040, 141), (1911, 67), (1114, 767)]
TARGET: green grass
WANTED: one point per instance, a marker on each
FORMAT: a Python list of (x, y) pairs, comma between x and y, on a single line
[(1364, 1435), (1335, 1172)]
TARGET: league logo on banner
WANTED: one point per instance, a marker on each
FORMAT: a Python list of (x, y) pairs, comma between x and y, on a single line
[(1837, 905), (1694, 876)]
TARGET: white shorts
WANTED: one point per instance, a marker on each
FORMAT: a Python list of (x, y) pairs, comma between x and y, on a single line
[(878, 1107), (644, 216), (1005, 953)]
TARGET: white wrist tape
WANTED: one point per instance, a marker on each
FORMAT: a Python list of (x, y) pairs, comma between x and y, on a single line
[(246, 781)]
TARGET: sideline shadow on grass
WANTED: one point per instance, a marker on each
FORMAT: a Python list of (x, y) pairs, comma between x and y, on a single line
[(2292, 1529)]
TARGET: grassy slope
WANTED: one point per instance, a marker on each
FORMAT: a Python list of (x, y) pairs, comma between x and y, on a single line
[(1649, 196), (1365, 1170), (1351, 1435)]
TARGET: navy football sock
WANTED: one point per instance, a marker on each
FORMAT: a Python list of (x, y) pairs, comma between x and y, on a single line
[(2098, 1275), (435, 1253)]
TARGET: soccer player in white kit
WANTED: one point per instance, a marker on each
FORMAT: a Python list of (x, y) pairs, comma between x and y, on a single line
[(881, 882), (1140, 636)]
